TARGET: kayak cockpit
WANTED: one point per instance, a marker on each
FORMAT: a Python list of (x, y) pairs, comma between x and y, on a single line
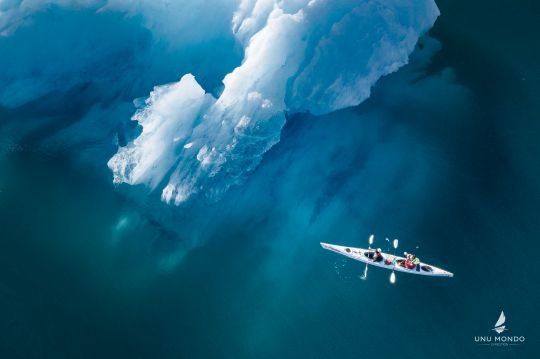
[(371, 254)]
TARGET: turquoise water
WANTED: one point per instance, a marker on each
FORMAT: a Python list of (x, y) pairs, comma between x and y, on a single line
[(448, 163)]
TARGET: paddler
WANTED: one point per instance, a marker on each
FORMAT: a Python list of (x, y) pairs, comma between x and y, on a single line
[(377, 255), (412, 261)]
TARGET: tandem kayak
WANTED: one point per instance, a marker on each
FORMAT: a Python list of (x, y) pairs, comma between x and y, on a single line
[(390, 261)]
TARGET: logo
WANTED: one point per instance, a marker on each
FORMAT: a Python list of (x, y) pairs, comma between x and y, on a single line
[(500, 340), (499, 326)]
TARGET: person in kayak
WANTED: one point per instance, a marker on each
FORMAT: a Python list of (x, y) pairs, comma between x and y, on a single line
[(407, 263), (412, 261), (377, 255)]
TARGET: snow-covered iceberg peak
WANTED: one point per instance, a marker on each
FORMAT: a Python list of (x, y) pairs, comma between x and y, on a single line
[(317, 56)]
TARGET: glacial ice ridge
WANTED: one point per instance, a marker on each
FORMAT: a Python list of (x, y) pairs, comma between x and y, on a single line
[(314, 56)]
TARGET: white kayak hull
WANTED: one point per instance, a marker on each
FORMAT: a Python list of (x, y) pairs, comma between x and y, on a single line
[(390, 261)]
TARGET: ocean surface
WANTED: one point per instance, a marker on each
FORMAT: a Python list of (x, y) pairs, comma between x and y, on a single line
[(448, 161)]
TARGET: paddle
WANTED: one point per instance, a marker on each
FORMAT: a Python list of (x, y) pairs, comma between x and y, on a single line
[(371, 238), (393, 275)]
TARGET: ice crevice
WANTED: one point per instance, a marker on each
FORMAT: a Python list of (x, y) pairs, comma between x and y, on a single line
[(318, 56)]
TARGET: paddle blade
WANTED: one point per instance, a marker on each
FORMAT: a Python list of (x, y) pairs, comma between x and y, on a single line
[(393, 278), (364, 277), (371, 238), (395, 243)]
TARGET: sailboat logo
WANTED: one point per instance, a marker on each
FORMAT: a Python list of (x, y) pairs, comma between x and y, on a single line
[(500, 340), (499, 326)]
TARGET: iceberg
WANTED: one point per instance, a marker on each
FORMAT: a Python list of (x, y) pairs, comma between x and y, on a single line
[(244, 66), (314, 56)]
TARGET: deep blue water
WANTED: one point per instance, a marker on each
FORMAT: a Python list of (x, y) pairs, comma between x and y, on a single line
[(448, 162)]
